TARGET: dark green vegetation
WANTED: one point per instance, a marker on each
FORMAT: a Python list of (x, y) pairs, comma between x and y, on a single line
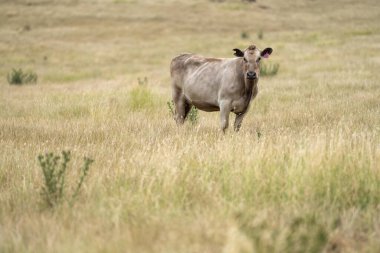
[(54, 168), (19, 77)]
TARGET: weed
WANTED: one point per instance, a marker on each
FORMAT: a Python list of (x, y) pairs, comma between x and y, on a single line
[(171, 107), (84, 170), (142, 81), (54, 173), (19, 77), (269, 70), (304, 233), (26, 28), (258, 133), (141, 97), (54, 176), (244, 35), (260, 35), (193, 115)]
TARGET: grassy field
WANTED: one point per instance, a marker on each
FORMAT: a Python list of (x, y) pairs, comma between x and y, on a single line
[(302, 175)]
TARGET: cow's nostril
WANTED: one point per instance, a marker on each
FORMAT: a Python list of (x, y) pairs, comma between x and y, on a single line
[(251, 74)]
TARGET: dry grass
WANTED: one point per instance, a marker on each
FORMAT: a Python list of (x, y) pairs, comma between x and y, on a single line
[(303, 175)]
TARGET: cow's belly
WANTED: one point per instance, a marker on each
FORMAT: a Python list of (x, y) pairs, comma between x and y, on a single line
[(202, 103), (204, 106), (202, 95), (237, 106)]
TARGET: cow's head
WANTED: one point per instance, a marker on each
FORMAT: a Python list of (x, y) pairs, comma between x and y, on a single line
[(251, 60)]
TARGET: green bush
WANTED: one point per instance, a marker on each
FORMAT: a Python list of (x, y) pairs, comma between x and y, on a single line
[(171, 108), (54, 169), (142, 81), (244, 35), (303, 233), (192, 116), (140, 98), (269, 70), (19, 77), (260, 35)]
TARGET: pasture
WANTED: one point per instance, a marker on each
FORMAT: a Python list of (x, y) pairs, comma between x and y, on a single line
[(302, 175)]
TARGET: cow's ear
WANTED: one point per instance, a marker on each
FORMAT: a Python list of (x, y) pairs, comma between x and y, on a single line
[(238, 52), (266, 52)]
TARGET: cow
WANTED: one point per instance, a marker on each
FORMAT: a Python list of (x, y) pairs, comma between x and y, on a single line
[(216, 84)]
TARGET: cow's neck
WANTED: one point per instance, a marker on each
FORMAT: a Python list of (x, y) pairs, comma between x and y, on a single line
[(250, 90)]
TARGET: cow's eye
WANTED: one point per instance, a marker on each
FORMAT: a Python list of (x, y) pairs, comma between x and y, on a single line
[(245, 60), (258, 60)]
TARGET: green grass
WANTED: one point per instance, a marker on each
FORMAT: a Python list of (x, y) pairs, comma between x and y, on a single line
[(141, 97), (269, 69)]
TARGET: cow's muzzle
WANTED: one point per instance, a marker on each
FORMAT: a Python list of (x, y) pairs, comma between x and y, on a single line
[(251, 75)]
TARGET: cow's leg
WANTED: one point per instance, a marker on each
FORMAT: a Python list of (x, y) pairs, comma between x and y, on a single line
[(180, 106), (187, 108), (238, 119), (225, 108)]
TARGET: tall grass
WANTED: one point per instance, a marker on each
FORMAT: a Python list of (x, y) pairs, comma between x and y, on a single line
[(140, 98), (267, 69), (302, 175)]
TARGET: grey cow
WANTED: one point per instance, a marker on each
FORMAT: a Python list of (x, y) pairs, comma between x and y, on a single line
[(216, 84)]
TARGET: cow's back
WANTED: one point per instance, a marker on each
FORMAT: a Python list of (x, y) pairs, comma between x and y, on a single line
[(187, 64), (178, 64), (199, 79)]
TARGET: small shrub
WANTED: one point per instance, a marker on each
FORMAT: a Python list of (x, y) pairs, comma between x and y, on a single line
[(258, 133), (269, 70), (84, 170), (244, 35), (19, 77), (54, 169), (303, 233), (26, 28), (260, 35), (140, 98), (192, 115), (171, 108), (142, 81)]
